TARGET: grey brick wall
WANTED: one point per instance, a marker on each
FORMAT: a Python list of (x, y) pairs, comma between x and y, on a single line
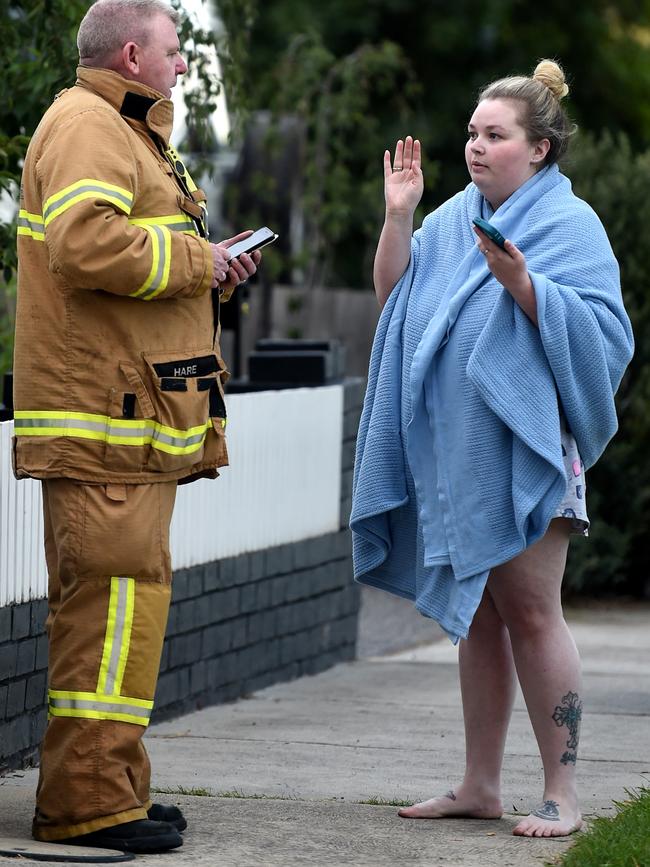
[(235, 626), (241, 624), (23, 678)]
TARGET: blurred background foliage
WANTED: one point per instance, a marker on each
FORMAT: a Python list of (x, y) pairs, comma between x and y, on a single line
[(353, 76)]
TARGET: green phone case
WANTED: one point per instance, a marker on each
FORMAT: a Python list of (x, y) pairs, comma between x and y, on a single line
[(492, 233)]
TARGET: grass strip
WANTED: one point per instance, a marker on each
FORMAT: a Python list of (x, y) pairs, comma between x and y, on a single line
[(182, 790), (376, 801), (620, 841), (254, 796), (209, 793)]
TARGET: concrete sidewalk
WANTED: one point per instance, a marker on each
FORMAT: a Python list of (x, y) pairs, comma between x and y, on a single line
[(284, 777)]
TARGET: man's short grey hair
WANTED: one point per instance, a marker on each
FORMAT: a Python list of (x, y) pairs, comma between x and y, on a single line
[(110, 24)]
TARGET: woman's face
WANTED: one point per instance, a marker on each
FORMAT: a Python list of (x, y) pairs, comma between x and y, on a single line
[(498, 154)]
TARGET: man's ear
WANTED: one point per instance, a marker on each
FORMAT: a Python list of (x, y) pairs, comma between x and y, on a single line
[(131, 57), (540, 150)]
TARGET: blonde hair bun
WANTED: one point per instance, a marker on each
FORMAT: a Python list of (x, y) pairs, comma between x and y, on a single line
[(551, 75)]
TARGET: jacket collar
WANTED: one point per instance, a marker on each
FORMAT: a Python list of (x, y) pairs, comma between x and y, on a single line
[(133, 100)]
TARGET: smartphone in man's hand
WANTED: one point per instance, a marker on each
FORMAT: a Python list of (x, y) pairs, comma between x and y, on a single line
[(256, 241)]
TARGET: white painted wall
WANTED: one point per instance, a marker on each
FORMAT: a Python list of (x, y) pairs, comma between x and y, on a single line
[(283, 484)]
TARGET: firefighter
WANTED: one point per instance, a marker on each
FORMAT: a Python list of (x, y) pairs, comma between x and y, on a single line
[(118, 397)]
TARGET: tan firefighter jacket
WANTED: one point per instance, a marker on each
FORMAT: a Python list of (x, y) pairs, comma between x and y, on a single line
[(117, 369)]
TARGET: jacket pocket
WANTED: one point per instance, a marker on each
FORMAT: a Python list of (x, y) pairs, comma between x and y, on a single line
[(183, 405), (130, 422), (216, 451)]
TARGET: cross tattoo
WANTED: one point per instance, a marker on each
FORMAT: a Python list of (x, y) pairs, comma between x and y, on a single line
[(569, 714)]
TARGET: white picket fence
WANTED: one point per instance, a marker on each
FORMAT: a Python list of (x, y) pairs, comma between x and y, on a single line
[(283, 484)]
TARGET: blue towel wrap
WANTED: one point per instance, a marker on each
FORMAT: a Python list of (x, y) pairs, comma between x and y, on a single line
[(459, 463)]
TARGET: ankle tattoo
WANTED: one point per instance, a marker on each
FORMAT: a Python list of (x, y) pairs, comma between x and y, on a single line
[(450, 795), (569, 714), (549, 810)]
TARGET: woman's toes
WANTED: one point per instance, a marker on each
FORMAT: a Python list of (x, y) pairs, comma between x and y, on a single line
[(549, 820)]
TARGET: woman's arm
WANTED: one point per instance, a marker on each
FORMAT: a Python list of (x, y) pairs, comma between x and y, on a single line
[(403, 187)]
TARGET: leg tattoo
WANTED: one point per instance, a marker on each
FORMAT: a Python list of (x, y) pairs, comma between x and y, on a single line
[(450, 795), (569, 714), (548, 810)]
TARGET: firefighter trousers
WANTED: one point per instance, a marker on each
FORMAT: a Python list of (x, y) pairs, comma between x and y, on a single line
[(109, 567)]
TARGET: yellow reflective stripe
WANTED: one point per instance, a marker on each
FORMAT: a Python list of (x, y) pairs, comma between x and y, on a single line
[(100, 698), (167, 263), (107, 702), (108, 637), (128, 432), (155, 262), (86, 188), (31, 225), (126, 635), (118, 636), (161, 252), (174, 222), (95, 705)]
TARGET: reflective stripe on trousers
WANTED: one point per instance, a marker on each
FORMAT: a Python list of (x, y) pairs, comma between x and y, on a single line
[(108, 702)]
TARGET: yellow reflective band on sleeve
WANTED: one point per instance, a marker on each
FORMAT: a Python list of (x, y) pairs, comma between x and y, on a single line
[(31, 225), (161, 254), (95, 705), (127, 432), (86, 188), (174, 222)]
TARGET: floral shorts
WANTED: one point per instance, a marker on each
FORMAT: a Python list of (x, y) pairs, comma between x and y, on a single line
[(574, 504)]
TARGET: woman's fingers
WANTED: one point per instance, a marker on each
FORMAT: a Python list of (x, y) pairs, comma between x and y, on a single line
[(417, 154), (408, 153), (512, 250), (387, 166), (398, 163)]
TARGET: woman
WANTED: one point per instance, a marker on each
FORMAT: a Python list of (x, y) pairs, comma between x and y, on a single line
[(491, 388)]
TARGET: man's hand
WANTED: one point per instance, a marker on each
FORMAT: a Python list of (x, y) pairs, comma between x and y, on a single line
[(228, 274), (219, 264)]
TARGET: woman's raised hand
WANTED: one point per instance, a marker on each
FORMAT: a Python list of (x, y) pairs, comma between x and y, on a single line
[(403, 181)]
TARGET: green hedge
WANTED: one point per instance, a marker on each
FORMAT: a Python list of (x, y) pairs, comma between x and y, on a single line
[(616, 182)]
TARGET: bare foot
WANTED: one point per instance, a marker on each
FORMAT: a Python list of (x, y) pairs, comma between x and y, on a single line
[(550, 819), (459, 804)]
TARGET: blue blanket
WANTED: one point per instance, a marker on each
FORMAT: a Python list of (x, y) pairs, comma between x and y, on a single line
[(459, 465)]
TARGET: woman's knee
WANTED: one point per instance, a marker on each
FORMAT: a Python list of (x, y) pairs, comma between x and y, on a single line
[(527, 620), (487, 618), (526, 591)]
